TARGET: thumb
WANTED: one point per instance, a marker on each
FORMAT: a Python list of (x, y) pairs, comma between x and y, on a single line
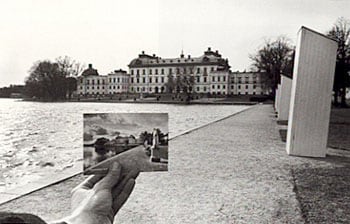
[(111, 179)]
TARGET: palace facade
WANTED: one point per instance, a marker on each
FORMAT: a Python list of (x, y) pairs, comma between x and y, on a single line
[(246, 83), (151, 73), (207, 74), (90, 83)]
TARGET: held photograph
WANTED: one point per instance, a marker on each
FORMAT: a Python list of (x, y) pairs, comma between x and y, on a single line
[(133, 139)]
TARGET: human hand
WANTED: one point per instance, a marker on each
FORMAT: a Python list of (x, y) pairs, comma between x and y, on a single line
[(98, 198)]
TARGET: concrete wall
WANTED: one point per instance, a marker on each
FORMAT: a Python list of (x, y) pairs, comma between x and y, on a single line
[(277, 98), (284, 103), (311, 94)]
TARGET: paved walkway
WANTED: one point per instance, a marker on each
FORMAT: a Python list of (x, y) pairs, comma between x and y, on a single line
[(232, 171)]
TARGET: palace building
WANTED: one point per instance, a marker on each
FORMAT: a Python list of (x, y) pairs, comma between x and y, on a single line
[(151, 73), (207, 74), (246, 83), (90, 83)]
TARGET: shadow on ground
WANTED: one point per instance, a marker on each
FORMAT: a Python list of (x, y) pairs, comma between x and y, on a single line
[(323, 193)]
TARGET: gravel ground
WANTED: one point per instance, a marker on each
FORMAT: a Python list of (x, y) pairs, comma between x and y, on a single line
[(232, 171)]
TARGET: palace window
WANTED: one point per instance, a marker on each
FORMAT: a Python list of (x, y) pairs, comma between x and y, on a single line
[(132, 72), (144, 79), (150, 79), (198, 70), (246, 86), (156, 79), (150, 71), (198, 78), (162, 71), (224, 78), (162, 79), (156, 71), (137, 72), (132, 80), (218, 86), (213, 79), (205, 79), (170, 71), (218, 78), (143, 71), (197, 88)]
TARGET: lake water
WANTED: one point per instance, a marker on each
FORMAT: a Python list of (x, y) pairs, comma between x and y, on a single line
[(41, 139)]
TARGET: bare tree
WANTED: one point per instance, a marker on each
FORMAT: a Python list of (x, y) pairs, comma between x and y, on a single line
[(273, 59), (185, 81), (341, 32), (70, 68)]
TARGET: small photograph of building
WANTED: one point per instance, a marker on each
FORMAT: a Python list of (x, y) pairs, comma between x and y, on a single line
[(108, 135)]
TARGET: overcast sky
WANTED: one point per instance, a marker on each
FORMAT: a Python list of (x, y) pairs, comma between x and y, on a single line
[(110, 33)]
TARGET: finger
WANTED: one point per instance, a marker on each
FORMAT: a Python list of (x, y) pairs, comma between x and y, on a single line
[(88, 183), (111, 179), (124, 195), (120, 186)]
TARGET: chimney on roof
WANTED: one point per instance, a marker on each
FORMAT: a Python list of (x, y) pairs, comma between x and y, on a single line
[(90, 66), (154, 55), (209, 49), (143, 52), (189, 56), (217, 51), (182, 54)]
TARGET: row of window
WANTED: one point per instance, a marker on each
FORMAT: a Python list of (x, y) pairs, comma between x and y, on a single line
[(247, 82), (102, 81), (102, 87), (246, 86), (117, 80), (162, 90), (161, 71), (150, 89)]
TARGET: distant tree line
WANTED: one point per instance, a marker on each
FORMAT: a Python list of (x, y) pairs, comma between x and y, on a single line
[(53, 80), (7, 91), (277, 57)]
